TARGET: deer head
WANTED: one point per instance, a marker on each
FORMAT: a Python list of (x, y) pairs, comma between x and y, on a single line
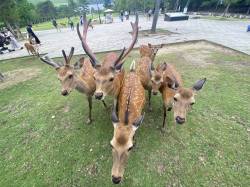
[(183, 100), (122, 143), (159, 79), (106, 73), (65, 72), (149, 50)]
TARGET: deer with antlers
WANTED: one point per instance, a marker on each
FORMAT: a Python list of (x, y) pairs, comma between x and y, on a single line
[(131, 102), (144, 66), (70, 79), (168, 81), (109, 74)]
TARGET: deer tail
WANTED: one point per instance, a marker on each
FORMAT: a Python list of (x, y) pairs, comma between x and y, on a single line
[(132, 66)]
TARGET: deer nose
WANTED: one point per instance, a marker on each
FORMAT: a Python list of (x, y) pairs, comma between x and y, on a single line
[(64, 92), (155, 92), (116, 180), (99, 95), (180, 120)]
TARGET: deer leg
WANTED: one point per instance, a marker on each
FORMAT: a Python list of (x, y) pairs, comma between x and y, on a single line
[(149, 100), (104, 104), (164, 116), (90, 108)]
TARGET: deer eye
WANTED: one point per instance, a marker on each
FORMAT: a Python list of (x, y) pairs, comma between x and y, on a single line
[(111, 79), (71, 76), (192, 103), (175, 99), (129, 149)]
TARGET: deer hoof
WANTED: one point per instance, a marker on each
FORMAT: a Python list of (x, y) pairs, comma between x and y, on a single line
[(89, 121), (150, 109)]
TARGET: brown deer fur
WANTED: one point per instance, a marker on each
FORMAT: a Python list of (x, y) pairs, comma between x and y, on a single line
[(31, 49), (144, 66), (131, 102), (168, 81), (70, 79), (108, 74)]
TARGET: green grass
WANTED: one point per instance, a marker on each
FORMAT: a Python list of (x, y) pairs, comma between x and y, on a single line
[(212, 149)]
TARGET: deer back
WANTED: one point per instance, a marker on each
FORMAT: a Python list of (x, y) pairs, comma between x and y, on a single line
[(143, 69), (131, 98)]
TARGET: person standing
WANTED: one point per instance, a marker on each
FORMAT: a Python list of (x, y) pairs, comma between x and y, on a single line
[(149, 13), (81, 20), (31, 34), (71, 23), (126, 15), (121, 15), (54, 23)]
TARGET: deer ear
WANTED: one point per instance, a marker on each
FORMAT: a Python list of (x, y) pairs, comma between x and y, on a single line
[(199, 84), (138, 122), (118, 66)]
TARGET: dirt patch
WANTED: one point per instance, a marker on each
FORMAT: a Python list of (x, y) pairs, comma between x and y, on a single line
[(16, 76), (147, 33), (197, 53)]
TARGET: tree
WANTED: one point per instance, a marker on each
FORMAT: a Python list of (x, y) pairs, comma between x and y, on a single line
[(46, 9), (156, 15), (107, 3), (228, 3), (248, 4)]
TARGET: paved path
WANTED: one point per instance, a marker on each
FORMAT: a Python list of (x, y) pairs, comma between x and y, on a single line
[(115, 36)]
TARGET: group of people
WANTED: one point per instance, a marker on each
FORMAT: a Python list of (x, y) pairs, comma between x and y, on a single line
[(6, 38), (57, 27), (124, 14)]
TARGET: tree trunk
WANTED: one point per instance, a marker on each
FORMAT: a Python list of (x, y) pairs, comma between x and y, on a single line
[(10, 28), (156, 15), (98, 9), (227, 8), (176, 5), (248, 10)]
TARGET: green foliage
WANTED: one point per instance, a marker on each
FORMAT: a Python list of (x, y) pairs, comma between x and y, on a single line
[(46, 9)]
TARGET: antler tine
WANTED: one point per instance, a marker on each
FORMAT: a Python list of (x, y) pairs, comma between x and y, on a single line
[(48, 61), (71, 53), (134, 36), (65, 57), (120, 57), (86, 48)]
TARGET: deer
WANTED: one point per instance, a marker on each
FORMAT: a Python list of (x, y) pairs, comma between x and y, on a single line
[(31, 49), (144, 66), (130, 117), (167, 80), (70, 79), (109, 74)]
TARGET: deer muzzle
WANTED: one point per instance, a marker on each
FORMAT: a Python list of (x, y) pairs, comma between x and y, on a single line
[(99, 95)]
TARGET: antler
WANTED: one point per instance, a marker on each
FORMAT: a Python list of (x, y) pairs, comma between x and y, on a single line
[(85, 46), (50, 62), (67, 59), (134, 36)]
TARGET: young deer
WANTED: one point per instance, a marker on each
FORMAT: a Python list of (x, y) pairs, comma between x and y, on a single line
[(70, 79), (168, 81), (144, 66), (131, 102), (109, 74)]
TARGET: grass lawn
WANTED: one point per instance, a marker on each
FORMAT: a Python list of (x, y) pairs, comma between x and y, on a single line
[(44, 140)]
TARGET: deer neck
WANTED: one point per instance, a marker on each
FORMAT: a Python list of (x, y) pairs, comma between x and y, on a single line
[(81, 85)]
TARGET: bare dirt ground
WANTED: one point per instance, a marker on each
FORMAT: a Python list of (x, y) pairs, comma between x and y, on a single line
[(16, 76)]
